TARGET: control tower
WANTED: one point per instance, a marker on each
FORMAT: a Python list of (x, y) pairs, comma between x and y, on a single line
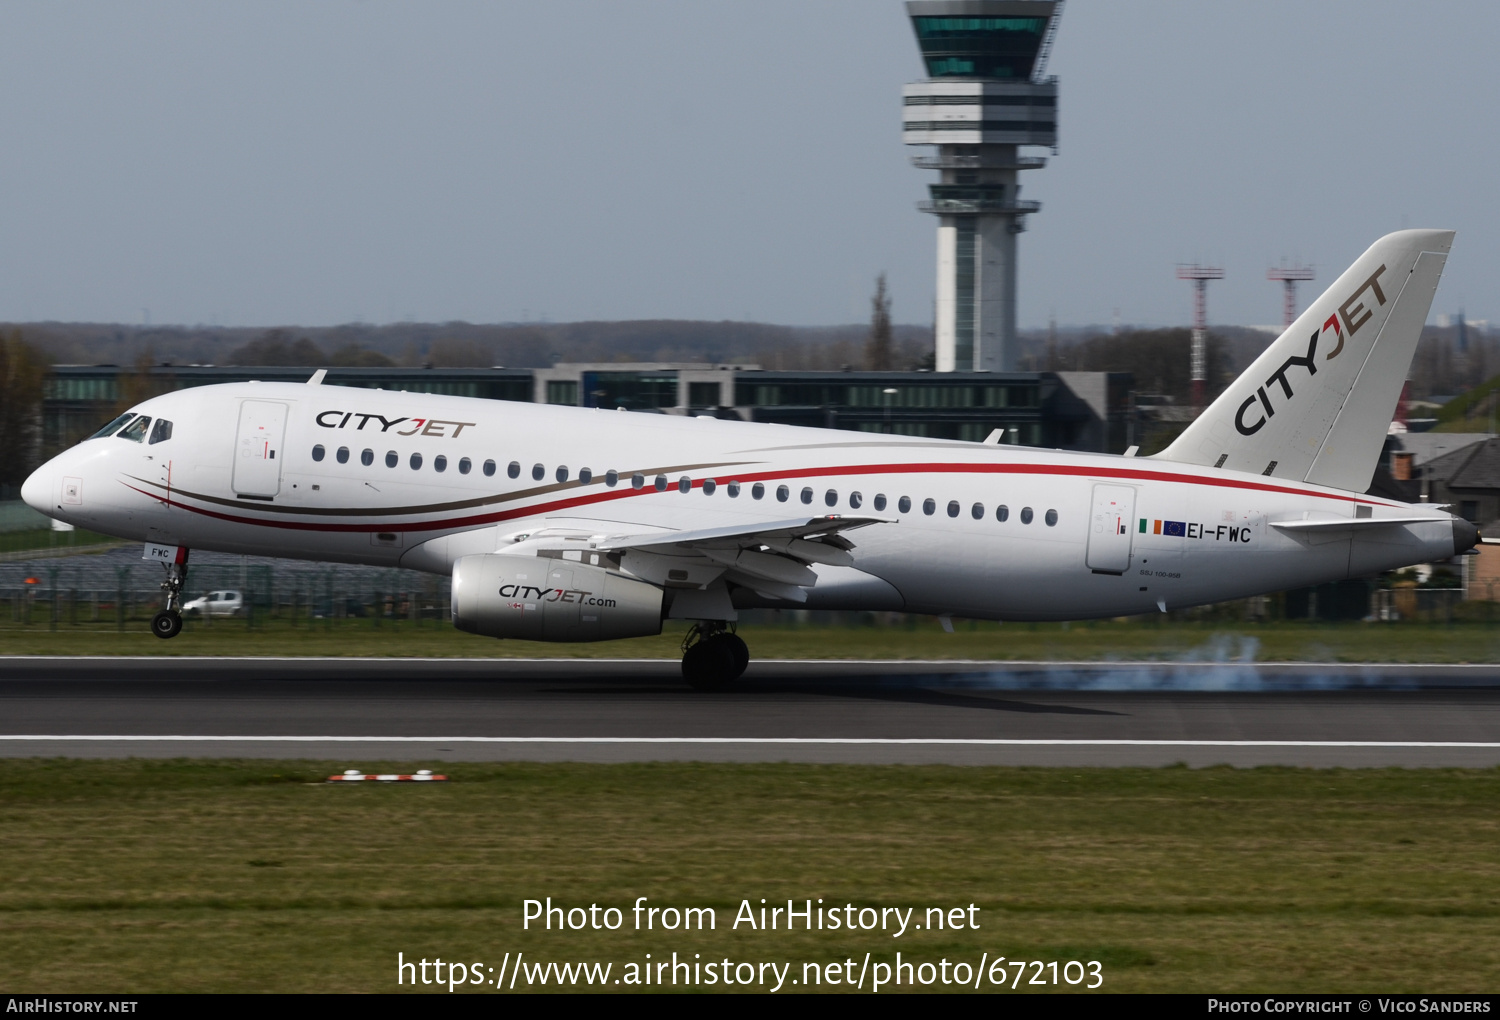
[(984, 98)]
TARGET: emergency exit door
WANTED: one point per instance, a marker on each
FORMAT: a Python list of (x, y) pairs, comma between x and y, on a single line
[(257, 454), (1109, 529)]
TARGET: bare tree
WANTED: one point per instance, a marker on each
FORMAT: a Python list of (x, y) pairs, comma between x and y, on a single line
[(879, 355), (22, 375)]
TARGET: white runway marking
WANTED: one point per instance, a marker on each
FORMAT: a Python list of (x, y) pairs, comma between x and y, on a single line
[(934, 741)]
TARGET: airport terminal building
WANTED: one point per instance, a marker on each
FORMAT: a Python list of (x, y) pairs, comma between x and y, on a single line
[(1066, 410)]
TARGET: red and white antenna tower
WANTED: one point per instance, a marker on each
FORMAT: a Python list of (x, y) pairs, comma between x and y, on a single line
[(1289, 277), (1200, 275)]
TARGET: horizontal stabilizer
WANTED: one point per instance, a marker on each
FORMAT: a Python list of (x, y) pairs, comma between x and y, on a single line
[(1355, 524)]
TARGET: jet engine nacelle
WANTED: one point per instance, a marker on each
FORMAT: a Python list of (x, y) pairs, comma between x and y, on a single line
[(551, 600)]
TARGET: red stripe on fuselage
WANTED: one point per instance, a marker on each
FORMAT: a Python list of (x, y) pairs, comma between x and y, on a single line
[(478, 520)]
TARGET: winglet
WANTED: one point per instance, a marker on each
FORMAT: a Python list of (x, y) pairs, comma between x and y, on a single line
[(317, 377)]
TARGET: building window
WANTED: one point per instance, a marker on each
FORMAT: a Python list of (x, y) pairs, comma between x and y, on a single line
[(1026, 515), (965, 250), (703, 394), (562, 391), (318, 452), (343, 455), (1468, 509)]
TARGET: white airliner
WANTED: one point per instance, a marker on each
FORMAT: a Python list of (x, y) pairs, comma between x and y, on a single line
[(573, 524)]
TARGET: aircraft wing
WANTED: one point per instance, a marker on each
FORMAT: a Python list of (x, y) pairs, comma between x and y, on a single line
[(772, 558)]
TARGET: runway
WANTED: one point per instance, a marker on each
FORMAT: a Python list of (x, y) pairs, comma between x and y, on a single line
[(360, 711)]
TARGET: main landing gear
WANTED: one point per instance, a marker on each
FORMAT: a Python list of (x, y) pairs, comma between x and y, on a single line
[(168, 622), (713, 656)]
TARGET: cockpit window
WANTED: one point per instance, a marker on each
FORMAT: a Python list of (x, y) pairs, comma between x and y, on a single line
[(136, 432), (161, 432), (113, 426)]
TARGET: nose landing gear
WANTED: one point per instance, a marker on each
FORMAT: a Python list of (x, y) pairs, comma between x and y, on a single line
[(713, 656), (168, 622)]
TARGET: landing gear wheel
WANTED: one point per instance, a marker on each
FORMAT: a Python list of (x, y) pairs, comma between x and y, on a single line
[(708, 665), (738, 650), (166, 624)]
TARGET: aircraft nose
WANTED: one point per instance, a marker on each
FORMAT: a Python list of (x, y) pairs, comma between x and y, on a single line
[(36, 491)]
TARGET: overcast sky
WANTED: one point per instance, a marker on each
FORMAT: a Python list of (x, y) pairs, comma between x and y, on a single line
[(275, 163)]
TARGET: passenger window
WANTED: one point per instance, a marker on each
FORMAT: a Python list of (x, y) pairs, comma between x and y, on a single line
[(904, 504), (538, 472), (163, 431), (977, 511), (709, 485), (661, 483), (513, 469), (757, 491), (953, 508), (391, 459), (611, 478), (879, 501), (113, 426), (562, 473), (440, 463), (684, 484), (831, 498), (1002, 513), (734, 490), (489, 469), (637, 481), (465, 465), (855, 499), (136, 432), (343, 455), (807, 495), (929, 506), (585, 476), (367, 458), (416, 461), (1026, 515), (783, 493), (318, 452), (1051, 518)]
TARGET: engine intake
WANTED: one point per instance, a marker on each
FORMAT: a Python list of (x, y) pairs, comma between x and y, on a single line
[(551, 600)]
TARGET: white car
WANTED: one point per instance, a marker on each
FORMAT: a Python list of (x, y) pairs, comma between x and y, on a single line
[(216, 603)]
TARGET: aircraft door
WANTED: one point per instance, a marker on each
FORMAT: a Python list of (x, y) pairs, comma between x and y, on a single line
[(257, 460), (1109, 529)]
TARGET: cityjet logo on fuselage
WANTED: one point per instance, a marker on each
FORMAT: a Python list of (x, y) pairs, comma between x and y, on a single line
[(1353, 314), (437, 427)]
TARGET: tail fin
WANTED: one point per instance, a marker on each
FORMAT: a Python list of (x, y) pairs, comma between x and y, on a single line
[(1317, 404)]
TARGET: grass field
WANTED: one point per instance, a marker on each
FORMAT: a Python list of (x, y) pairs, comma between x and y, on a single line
[(917, 638), (253, 876)]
